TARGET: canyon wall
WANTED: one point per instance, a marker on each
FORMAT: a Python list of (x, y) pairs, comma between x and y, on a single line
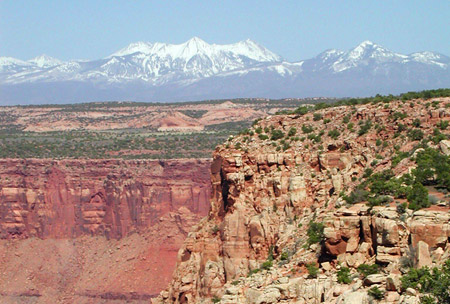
[(71, 198), (95, 231)]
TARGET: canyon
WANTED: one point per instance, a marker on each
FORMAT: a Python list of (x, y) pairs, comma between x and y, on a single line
[(276, 215), (95, 231), (276, 185)]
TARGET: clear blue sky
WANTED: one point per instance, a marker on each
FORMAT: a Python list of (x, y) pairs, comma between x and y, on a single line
[(293, 29)]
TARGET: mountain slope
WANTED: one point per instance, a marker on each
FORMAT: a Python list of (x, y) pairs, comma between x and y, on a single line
[(145, 71)]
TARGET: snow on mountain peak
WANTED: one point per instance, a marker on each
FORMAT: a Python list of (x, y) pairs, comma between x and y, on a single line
[(367, 43), (5, 61), (44, 61), (135, 47), (158, 63), (197, 46), (428, 57)]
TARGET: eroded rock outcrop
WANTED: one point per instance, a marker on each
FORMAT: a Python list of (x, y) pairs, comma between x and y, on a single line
[(268, 186)]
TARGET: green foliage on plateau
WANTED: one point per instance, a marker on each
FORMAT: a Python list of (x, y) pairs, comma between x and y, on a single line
[(334, 134), (292, 131), (365, 127), (433, 169), (122, 143), (307, 129), (427, 94), (317, 116), (277, 134), (434, 283), (302, 110)]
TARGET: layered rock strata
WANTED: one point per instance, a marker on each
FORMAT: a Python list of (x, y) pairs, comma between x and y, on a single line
[(71, 198), (266, 192), (95, 231)]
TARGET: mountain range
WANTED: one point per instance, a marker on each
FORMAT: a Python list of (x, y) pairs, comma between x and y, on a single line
[(197, 70)]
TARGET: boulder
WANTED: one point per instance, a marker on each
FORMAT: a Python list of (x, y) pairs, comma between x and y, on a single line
[(423, 255), (374, 279), (393, 282), (355, 297), (445, 146)]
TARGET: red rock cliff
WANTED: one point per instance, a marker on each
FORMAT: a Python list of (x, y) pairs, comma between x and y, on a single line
[(70, 198)]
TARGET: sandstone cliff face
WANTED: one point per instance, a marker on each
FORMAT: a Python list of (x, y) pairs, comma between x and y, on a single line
[(95, 231), (71, 198), (263, 199)]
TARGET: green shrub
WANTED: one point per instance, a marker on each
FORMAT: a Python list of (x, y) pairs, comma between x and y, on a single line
[(334, 134), (433, 167), (356, 196), (435, 284), (307, 129), (301, 110), (267, 265), (418, 197), (317, 116), (365, 127), (415, 134), (277, 134), (292, 132), (343, 275), (263, 136), (315, 233), (437, 136), (398, 158), (313, 270), (416, 123), (253, 271), (443, 124), (375, 293), (346, 119), (367, 172), (399, 115), (215, 300), (401, 208), (365, 269)]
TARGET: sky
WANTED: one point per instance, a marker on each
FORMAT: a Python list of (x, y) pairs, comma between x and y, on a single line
[(295, 30)]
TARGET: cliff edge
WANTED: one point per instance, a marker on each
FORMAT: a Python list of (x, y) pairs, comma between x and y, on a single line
[(300, 198)]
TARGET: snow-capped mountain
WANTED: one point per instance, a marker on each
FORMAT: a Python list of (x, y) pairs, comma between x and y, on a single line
[(44, 61), (196, 70)]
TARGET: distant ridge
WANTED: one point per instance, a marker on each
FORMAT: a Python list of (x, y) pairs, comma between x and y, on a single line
[(195, 69)]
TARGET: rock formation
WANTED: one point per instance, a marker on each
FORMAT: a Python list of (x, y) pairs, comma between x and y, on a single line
[(291, 170), (70, 198), (95, 231)]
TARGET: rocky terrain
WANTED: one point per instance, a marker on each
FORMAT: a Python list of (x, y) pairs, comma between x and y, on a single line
[(95, 231), (325, 206)]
